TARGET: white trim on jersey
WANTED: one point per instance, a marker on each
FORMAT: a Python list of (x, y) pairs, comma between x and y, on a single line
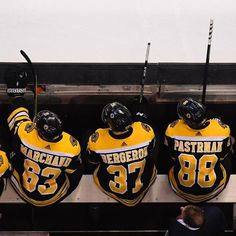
[(46, 150), (207, 138), (123, 149), (22, 113)]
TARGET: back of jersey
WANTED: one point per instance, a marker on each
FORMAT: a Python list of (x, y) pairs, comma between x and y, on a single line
[(126, 168), (199, 171), (41, 169)]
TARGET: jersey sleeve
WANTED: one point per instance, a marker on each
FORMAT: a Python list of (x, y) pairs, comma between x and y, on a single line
[(92, 156), (76, 160), (154, 149), (168, 142), (149, 131), (4, 164), (227, 147), (18, 114), (170, 129), (75, 169), (75, 163)]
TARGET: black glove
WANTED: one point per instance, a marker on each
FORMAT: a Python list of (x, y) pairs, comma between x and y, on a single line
[(16, 80), (139, 110)]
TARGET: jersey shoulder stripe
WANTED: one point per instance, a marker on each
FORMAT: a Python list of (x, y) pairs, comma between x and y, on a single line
[(17, 115)]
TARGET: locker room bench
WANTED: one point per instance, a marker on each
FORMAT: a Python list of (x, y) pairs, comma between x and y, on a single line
[(88, 198), (160, 192)]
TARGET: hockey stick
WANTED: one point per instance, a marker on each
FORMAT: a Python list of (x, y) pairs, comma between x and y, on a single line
[(207, 62), (144, 73), (35, 80)]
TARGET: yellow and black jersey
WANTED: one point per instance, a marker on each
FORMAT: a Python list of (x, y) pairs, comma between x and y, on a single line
[(4, 167), (42, 170), (126, 164), (4, 163), (201, 158)]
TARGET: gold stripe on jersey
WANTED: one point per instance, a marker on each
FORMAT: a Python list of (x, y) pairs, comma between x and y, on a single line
[(93, 162), (15, 181), (127, 202), (16, 111), (18, 124), (18, 114), (197, 198), (69, 171)]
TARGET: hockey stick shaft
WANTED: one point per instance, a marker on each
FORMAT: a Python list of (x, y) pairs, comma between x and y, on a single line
[(144, 73), (35, 80), (205, 76)]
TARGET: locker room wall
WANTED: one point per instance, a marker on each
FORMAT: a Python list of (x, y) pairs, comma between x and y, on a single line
[(117, 31)]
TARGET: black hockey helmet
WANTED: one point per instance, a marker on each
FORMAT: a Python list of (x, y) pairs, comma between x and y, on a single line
[(116, 116), (192, 112), (48, 125)]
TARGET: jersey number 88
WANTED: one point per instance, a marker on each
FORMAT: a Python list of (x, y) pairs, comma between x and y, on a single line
[(196, 171)]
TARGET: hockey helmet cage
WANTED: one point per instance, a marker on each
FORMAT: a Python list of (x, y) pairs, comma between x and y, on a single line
[(116, 116), (48, 125), (192, 112)]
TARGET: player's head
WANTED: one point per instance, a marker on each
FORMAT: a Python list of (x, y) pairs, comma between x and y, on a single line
[(48, 125), (193, 216), (192, 112), (117, 117)]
